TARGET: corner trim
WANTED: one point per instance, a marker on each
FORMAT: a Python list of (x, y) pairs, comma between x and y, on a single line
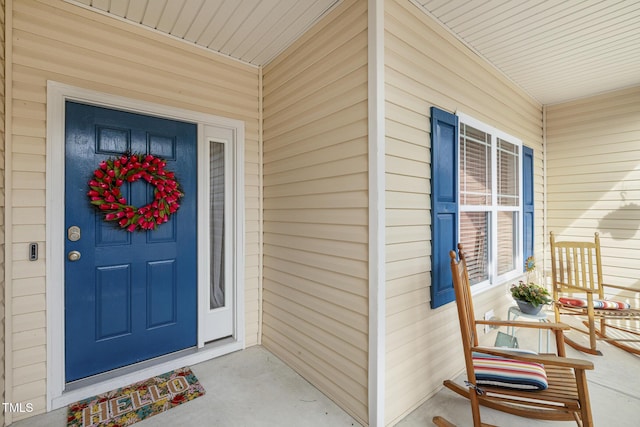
[(377, 219)]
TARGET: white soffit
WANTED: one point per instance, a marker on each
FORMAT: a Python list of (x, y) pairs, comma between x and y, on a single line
[(556, 50), (253, 31)]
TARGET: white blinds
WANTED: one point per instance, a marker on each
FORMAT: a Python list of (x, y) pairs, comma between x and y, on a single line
[(489, 200), (508, 173), (475, 166), (474, 229), (506, 247)]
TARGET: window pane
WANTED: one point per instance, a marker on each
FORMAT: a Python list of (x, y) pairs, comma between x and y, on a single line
[(506, 242), (216, 224), (475, 166), (508, 174), (474, 228)]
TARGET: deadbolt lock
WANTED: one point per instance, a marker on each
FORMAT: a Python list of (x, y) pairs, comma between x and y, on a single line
[(73, 233)]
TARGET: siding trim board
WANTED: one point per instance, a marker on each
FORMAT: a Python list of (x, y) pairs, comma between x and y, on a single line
[(377, 215)]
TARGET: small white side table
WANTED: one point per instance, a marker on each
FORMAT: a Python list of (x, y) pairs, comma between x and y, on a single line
[(515, 312)]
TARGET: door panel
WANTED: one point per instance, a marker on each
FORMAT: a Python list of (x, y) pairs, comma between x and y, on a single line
[(131, 296), (113, 293)]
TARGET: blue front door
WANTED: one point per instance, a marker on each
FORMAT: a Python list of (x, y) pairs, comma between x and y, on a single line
[(130, 296)]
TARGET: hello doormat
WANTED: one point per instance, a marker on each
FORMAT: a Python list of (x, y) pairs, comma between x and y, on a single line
[(144, 399)]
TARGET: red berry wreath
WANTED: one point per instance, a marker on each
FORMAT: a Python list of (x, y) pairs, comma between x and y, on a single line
[(106, 196)]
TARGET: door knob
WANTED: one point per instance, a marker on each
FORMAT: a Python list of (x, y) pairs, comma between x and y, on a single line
[(73, 256)]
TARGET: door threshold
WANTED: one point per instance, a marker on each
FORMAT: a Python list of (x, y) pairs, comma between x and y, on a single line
[(127, 370), (121, 377)]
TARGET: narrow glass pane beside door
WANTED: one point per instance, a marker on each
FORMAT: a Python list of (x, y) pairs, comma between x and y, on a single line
[(216, 224)]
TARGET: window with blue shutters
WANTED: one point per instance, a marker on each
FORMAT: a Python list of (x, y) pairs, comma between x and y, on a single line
[(482, 197)]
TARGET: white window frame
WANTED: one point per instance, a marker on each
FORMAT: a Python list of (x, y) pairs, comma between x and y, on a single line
[(494, 279)]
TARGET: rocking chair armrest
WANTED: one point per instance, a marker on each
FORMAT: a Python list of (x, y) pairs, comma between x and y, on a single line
[(545, 359), (568, 362), (624, 288), (524, 324)]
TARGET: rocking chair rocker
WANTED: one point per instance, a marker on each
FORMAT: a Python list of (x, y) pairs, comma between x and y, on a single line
[(566, 396)]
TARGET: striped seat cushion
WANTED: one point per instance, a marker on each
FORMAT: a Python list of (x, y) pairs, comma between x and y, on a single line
[(498, 371), (597, 303)]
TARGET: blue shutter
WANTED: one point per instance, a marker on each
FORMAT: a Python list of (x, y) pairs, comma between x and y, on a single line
[(527, 202), (444, 203)]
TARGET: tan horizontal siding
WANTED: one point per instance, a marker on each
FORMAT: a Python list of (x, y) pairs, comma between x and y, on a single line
[(425, 66), (30, 356), (302, 359), (593, 152), (450, 81), (347, 233), (54, 40), (349, 250), (328, 278), (315, 318), (315, 313)]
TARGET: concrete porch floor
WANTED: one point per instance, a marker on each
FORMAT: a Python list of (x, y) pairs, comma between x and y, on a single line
[(254, 388)]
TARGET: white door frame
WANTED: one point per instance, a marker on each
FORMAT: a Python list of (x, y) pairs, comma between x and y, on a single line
[(57, 94)]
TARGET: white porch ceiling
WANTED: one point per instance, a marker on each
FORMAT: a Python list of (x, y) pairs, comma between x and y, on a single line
[(556, 50), (253, 31)]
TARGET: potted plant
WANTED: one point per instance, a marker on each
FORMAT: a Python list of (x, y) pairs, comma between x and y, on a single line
[(530, 296)]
